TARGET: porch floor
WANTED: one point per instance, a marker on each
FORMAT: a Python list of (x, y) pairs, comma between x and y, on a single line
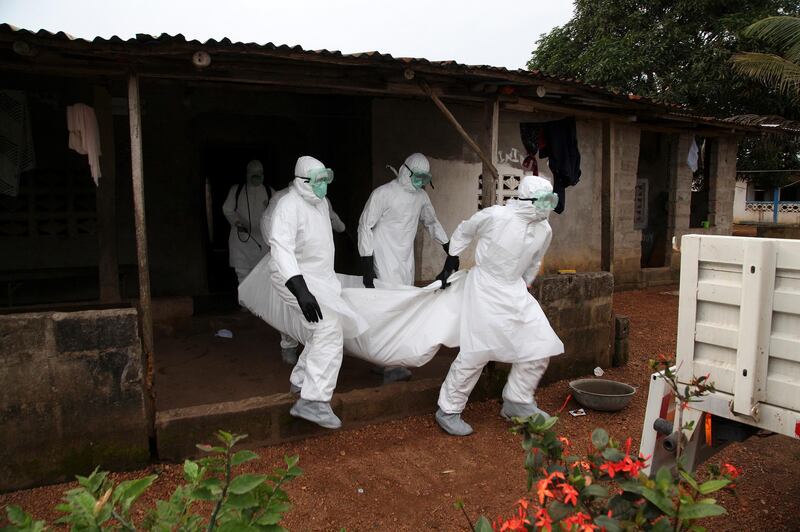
[(193, 367)]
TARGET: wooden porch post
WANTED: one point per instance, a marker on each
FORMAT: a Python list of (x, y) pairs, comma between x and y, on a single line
[(491, 124), (108, 259), (135, 119)]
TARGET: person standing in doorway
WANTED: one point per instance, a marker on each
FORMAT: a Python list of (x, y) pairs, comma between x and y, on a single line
[(243, 208)]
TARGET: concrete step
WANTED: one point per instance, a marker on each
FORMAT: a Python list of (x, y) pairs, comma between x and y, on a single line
[(266, 419)]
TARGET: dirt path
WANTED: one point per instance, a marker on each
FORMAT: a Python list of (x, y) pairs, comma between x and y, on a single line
[(406, 474)]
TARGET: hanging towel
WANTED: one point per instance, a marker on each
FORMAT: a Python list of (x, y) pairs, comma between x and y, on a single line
[(16, 140), (84, 136), (691, 159)]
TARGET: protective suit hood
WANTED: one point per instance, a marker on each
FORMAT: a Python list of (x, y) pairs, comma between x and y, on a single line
[(255, 173), (532, 186), (301, 169), (415, 162)]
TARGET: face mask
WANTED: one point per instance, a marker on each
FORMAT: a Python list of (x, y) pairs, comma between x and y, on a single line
[(256, 180), (318, 179), (545, 201), (419, 179)]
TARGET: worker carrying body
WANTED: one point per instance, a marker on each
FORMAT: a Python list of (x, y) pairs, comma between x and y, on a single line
[(243, 208), (387, 228), (500, 319), (302, 275), (289, 344)]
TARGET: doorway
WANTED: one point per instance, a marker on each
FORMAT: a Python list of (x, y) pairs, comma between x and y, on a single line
[(652, 198)]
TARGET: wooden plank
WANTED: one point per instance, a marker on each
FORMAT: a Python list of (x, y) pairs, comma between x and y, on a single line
[(487, 161), (108, 259), (145, 308), (491, 127)]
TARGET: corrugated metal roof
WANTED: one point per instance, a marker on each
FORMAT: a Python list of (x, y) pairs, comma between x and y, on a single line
[(371, 57), (375, 58)]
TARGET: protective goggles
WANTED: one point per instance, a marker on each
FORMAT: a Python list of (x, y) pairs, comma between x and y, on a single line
[(318, 175), (419, 179), (545, 200)]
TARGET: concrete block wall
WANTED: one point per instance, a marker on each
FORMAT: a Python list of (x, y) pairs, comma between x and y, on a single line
[(71, 395), (578, 307), (627, 240)]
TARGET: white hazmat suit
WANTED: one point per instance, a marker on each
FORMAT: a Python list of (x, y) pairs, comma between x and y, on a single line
[(289, 344), (389, 222), (301, 247), (245, 241), (500, 319)]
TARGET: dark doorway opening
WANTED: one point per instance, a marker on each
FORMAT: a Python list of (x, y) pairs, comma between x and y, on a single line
[(652, 198)]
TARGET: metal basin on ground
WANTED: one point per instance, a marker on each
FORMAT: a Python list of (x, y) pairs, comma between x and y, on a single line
[(602, 394)]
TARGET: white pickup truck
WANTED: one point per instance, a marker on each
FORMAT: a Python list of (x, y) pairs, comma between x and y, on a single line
[(739, 321)]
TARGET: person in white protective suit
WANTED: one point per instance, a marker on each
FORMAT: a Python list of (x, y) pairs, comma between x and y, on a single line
[(243, 208), (289, 344), (387, 227), (301, 272), (500, 319)]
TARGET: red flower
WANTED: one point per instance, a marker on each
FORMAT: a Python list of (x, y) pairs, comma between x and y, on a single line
[(542, 490), (580, 520), (731, 471), (570, 494), (543, 520)]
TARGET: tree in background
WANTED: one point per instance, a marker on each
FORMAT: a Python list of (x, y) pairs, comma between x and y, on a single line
[(780, 72), (676, 52)]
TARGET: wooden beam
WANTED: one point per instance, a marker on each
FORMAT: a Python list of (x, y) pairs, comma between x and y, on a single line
[(108, 259), (491, 125), (487, 161), (525, 104), (145, 309), (606, 200)]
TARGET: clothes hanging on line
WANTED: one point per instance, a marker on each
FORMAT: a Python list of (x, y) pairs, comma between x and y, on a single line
[(561, 150), (84, 136)]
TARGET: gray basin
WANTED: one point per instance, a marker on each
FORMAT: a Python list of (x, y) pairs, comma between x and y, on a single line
[(602, 394)]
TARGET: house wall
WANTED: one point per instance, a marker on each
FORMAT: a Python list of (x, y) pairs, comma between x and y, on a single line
[(401, 127)]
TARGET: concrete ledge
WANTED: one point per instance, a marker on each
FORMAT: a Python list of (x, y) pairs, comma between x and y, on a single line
[(266, 420)]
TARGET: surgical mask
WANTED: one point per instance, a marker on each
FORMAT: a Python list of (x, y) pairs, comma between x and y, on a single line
[(419, 179), (543, 201), (255, 180), (318, 179)]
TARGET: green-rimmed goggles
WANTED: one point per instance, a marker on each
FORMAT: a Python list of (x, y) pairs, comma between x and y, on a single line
[(419, 179), (543, 200), (318, 175)]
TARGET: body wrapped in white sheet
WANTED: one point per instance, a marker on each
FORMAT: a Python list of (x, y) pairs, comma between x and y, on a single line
[(407, 325)]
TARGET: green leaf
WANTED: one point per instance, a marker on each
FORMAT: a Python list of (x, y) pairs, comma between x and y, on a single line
[(558, 510), (689, 479), (548, 424), (659, 501), (664, 479), (274, 528), (244, 483), (127, 492), (191, 470), (599, 439), (662, 525), (483, 525), (594, 490), (16, 515), (206, 448), (240, 502), (291, 461), (269, 518), (710, 486), (612, 454), (700, 510), (608, 523), (236, 526), (224, 437), (241, 457)]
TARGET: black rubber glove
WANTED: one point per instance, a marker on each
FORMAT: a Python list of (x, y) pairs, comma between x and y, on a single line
[(446, 247), (308, 303), (368, 271), (451, 265)]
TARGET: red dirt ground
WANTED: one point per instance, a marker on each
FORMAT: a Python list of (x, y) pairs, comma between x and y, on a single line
[(406, 474)]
